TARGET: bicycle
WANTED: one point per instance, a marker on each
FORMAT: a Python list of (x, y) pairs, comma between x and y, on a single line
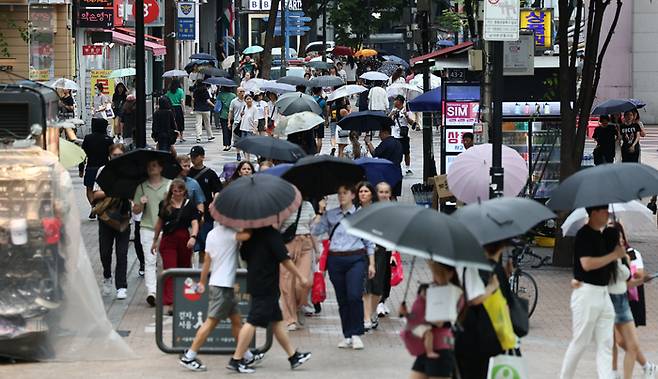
[(521, 282)]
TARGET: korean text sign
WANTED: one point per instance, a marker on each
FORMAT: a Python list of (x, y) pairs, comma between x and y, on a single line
[(540, 21), (461, 113)]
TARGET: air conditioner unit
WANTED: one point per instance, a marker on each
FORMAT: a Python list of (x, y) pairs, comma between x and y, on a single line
[(475, 60)]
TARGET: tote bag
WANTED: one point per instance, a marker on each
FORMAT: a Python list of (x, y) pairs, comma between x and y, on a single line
[(498, 311), (441, 303), (507, 367)]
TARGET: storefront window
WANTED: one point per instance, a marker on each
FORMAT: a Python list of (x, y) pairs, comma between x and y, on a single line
[(43, 24)]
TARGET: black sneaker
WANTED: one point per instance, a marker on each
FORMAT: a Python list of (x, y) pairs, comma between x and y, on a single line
[(150, 299), (211, 139), (333, 151), (318, 308), (239, 366), (298, 358), (256, 359), (192, 364), (92, 215)]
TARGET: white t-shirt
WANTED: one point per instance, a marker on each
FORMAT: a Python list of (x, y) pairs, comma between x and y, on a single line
[(399, 119), (261, 107), (472, 282), (619, 287), (350, 72), (222, 248), (249, 119), (377, 99)]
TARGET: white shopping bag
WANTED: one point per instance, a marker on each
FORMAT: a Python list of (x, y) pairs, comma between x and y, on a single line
[(441, 303), (507, 367)]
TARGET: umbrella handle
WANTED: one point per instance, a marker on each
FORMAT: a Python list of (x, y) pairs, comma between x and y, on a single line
[(411, 272)]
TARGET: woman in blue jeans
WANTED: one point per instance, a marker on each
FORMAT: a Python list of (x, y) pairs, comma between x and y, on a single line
[(348, 258)]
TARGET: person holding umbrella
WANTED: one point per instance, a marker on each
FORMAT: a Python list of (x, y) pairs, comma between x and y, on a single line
[(202, 107), (319, 130), (225, 98), (391, 149), (176, 96), (236, 106), (400, 130), (605, 135), (347, 266)]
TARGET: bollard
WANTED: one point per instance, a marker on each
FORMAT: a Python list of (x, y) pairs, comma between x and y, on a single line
[(190, 309)]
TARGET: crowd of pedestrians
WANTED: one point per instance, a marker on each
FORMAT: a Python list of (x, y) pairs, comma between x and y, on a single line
[(618, 138)]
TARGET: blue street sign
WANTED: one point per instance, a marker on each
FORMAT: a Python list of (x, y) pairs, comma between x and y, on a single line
[(300, 19), (277, 29), (185, 29), (292, 33)]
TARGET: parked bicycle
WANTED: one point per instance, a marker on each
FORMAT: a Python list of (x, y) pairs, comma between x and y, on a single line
[(521, 282)]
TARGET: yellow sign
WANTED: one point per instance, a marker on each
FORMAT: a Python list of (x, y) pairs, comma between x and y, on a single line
[(100, 76), (539, 21), (40, 75)]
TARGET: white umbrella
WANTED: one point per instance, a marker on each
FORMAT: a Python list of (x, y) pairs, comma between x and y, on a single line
[(469, 177), (409, 91), (64, 83), (634, 215), (174, 74), (273, 86), (122, 73), (374, 75), (255, 84), (345, 91), (297, 122), (228, 62), (435, 81), (318, 59)]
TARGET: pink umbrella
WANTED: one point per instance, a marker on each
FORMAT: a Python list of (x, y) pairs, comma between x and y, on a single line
[(469, 177)]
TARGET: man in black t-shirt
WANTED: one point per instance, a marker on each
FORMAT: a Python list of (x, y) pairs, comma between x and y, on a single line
[(210, 185), (390, 149), (263, 252), (630, 138), (591, 307), (605, 136)]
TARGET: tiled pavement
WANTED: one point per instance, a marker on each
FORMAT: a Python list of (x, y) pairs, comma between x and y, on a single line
[(384, 356)]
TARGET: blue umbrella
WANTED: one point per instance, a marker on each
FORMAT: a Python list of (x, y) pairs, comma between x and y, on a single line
[(203, 57), (427, 102), (222, 82), (380, 170), (638, 103), (365, 121), (277, 170), (397, 60), (613, 106)]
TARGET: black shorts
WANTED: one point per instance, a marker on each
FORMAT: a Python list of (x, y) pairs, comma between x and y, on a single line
[(375, 286), (90, 176), (318, 132), (443, 366), (404, 141), (261, 125), (264, 310)]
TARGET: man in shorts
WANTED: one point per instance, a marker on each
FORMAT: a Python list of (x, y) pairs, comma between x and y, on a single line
[(221, 261), (402, 121)]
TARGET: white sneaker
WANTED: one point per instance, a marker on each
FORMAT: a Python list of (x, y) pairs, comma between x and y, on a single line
[(357, 344), (616, 375), (122, 293), (107, 286), (345, 344), (367, 325), (386, 310), (649, 371), (381, 312), (292, 327)]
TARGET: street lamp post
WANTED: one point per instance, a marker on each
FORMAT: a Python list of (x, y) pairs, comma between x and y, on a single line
[(497, 171), (140, 68)]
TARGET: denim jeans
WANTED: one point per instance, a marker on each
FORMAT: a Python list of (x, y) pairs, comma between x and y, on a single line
[(347, 274)]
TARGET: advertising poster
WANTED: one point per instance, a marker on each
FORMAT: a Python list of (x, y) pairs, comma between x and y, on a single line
[(454, 139), (100, 76), (461, 113)]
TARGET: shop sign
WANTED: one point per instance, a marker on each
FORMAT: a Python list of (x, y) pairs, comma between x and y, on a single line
[(96, 3), (101, 76), (92, 50), (265, 5), (501, 20), (151, 11), (454, 140), (540, 21), (96, 18), (457, 114)]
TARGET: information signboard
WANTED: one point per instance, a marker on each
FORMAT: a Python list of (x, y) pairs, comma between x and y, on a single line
[(501, 20)]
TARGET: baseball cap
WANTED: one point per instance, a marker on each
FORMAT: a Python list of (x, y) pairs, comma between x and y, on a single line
[(196, 151)]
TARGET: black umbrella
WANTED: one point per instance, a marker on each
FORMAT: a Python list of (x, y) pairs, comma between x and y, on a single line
[(272, 148), (502, 218), (203, 57), (293, 81), (418, 231), (121, 175), (319, 65), (213, 71), (605, 184), (365, 121), (222, 82), (326, 81), (613, 106), (321, 175), (256, 201), (295, 102)]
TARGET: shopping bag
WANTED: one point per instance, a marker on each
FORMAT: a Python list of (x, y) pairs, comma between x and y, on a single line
[(319, 291), (397, 273), (322, 266), (498, 311), (441, 303), (507, 367), (633, 295)]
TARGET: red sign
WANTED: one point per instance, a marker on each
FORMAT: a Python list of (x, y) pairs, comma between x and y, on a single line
[(461, 113), (151, 11), (92, 50), (190, 290)]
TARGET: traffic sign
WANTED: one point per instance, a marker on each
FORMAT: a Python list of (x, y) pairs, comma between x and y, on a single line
[(291, 33), (277, 29)]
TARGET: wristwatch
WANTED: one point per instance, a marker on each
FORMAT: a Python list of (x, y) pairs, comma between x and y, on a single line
[(193, 236)]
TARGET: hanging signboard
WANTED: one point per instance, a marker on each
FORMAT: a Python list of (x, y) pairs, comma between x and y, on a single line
[(501, 20), (96, 18), (519, 56), (96, 3), (92, 50), (153, 13), (185, 22), (539, 21), (460, 113)]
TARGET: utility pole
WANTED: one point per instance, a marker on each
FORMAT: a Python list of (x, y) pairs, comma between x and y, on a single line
[(324, 30), (140, 78), (236, 38), (429, 164), (286, 37), (497, 170)]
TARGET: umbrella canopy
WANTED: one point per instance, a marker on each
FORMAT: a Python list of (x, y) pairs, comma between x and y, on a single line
[(319, 59), (272, 148), (276, 200), (435, 82), (222, 82), (638, 103), (253, 85), (64, 83), (213, 71), (418, 231), (388, 68), (469, 173), (319, 65), (277, 170), (202, 57), (634, 215), (365, 53), (605, 184), (122, 73), (374, 76), (291, 103), (321, 175), (427, 102), (275, 87), (123, 174), (347, 90), (365, 121), (228, 62), (342, 51), (293, 81), (502, 218), (614, 106), (326, 81), (409, 91), (397, 60), (380, 170), (70, 154), (298, 122), (255, 49), (174, 74)]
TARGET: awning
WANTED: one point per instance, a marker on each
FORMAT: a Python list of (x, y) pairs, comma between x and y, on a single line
[(126, 39), (428, 102), (442, 52)]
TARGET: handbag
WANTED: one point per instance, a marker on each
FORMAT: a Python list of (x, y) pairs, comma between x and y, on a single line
[(507, 366), (112, 212), (499, 315), (108, 113), (518, 308), (397, 271), (319, 291), (291, 231), (404, 130), (171, 225)]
